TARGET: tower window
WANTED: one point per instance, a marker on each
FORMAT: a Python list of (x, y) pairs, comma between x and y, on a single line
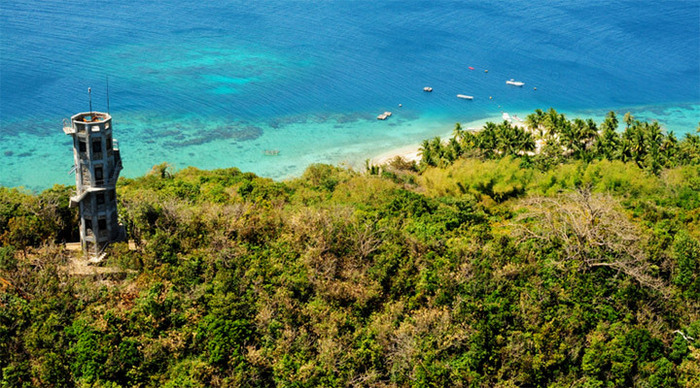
[(88, 224), (82, 147), (96, 146), (108, 143), (101, 224), (100, 198), (112, 195), (98, 174)]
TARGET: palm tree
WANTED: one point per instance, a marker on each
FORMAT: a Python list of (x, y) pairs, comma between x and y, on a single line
[(453, 150), (574, 137), (440, 153), (457, 132), (654, 138), (589, 138), (634, 135), (591, 131), (628, 119), (624, 150), (608, 141), (525, 142), (487, 139), (427, 154), (653, 134), (610, 122), (467, 141), (669, 149), (554, 122), (689, 149), (535, 120)]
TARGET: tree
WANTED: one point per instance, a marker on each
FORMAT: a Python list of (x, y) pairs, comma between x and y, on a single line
[(588, 229), (22, 232), (487, 139), (669, 149), (162, 170), (535, 120), (628, 119), (457, 132), (427, 153)]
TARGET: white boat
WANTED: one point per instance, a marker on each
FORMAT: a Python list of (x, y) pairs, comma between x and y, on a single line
[(514, 82), (506, 117), (464, 96), (427, 89)]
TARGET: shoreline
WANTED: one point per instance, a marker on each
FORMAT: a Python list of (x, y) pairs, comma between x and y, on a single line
[(356, 142), (411, 152)]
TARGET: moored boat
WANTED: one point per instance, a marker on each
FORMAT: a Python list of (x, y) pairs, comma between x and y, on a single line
[(514, 82), (427, 89), (464, 96)]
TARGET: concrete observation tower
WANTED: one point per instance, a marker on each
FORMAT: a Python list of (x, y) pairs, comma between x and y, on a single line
[(97, 165)]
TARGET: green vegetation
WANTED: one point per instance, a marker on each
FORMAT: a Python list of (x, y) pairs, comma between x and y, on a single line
[(643, 143), (480, 266)]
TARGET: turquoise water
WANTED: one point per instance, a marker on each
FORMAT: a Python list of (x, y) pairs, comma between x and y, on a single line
[(216, 84)]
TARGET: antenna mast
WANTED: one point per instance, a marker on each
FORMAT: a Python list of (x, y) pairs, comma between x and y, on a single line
[(107, 77)]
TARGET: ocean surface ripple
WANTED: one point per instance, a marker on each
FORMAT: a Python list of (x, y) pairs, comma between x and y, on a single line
[(215, 84)]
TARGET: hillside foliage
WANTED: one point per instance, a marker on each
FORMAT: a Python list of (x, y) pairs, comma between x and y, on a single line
[(480, 266)]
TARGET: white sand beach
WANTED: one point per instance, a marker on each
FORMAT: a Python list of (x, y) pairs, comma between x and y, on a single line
[(412, 152)]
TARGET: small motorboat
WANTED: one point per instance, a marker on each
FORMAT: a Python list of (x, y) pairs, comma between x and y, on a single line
[(471, 68), (465, 97), (514, 82), (427, 89)]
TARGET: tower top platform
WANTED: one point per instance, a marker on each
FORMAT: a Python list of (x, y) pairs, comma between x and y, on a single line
[(91, 117), (97, 121)]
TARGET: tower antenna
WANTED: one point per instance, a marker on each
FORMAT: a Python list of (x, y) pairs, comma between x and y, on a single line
[(107, 77), (90, 98)]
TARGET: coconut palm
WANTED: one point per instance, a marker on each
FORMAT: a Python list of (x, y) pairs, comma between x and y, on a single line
[(453, 150), (608, 141), (623, 151), (628, 119), (669, 149), (572, 137), (689, 149), (427, 153), (610, 122), (636, 142), (535, 120), (553, 122), (457, 132), (487, 139), (525, 142)]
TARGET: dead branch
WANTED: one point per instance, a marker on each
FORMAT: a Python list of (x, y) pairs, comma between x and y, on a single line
[(588, 228)]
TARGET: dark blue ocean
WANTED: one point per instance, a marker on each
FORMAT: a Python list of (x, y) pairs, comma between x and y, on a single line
[(216, 83)]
